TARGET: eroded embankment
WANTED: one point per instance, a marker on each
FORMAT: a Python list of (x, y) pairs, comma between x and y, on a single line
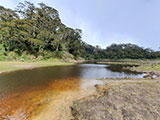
[(121, 99)]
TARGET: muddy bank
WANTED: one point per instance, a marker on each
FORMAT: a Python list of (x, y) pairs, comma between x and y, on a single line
[(127, 100)]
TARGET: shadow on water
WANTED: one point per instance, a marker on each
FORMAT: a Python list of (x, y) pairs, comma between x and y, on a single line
[(120, 69), (35, 77)]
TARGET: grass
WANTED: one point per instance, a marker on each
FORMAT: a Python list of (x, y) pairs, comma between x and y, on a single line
[(149, 67), (123, 61), (7, 66), (120, 63)]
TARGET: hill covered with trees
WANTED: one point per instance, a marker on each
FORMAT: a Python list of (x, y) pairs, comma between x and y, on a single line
[(38, 31), (131, 51)]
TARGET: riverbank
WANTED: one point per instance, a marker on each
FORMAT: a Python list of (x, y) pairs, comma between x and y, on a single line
[(150, 67), (127, 61), (121, 99), (125, 99)]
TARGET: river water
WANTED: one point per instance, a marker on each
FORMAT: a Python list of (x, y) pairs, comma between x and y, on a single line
[(21, 91)]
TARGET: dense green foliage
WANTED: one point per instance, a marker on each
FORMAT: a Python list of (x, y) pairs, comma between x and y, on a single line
[(38, 31), (131, 51)]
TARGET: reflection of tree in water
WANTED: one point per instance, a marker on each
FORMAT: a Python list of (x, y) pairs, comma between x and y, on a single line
[(120, 69)]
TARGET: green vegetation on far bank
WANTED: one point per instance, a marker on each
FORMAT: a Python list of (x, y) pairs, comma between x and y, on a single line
[(152, 67), (120, 62)]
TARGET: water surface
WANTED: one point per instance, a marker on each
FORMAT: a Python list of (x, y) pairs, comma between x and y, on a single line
[(20, 91)]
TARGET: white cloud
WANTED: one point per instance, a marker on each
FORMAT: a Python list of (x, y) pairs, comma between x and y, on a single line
[(8, 3), (119, 39)]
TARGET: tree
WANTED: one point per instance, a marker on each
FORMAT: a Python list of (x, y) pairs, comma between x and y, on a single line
[(38, 29)]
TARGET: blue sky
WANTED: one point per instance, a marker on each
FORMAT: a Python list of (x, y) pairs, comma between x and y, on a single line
[(109, 21)]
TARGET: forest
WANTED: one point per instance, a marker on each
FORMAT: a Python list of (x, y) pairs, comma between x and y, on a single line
[(38, 31)]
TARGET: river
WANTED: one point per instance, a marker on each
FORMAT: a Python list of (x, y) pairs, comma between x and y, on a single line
[(21, 91)]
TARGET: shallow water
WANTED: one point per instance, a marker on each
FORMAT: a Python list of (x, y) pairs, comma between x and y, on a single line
[(21, 91)]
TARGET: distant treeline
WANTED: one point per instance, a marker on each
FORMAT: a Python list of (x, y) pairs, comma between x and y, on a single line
[(121, 51), (131, 51), (38, 31)]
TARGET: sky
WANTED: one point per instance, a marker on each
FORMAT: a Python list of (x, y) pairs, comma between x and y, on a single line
[(104, 22)]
